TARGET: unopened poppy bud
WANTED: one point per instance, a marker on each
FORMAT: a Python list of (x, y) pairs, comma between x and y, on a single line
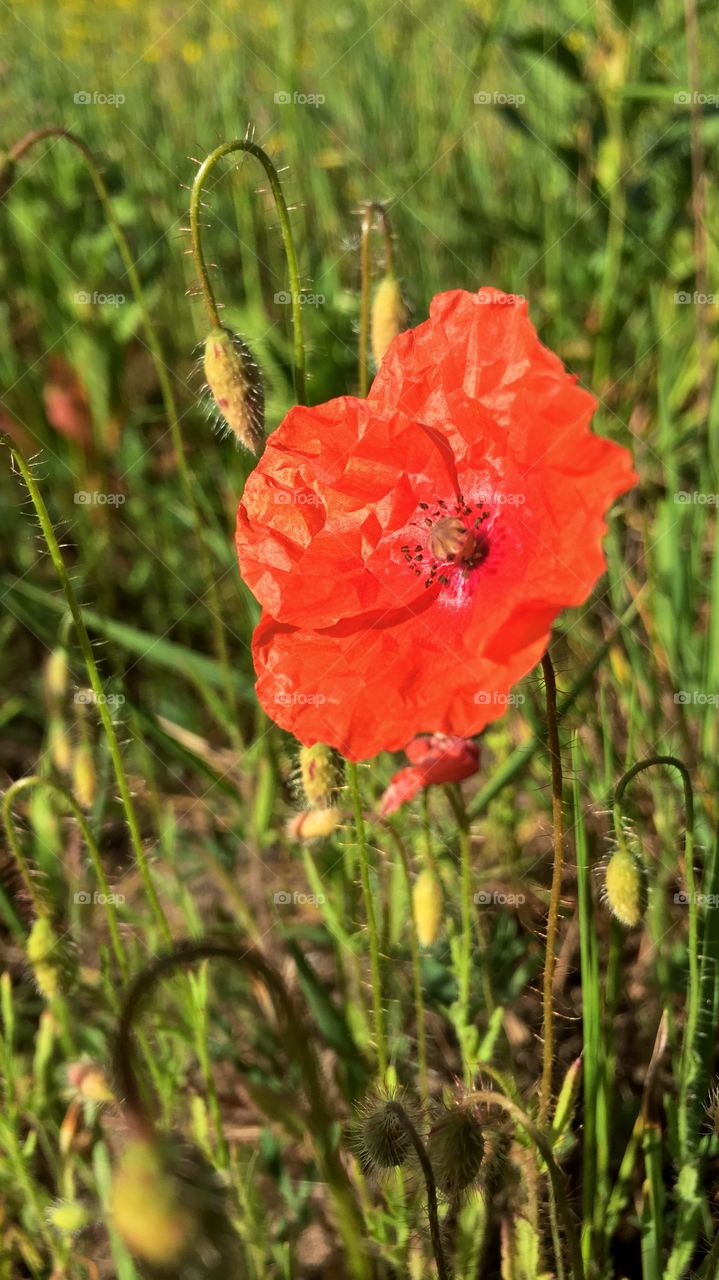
[(68, 1217), (236, 387), (84, 780), (59, 744), (378, 1135), (56, 676), (389, 316), (320, 775), (625, 886), (427, 906), (47, 957), (567, 1100), (455, 1146), (313, 824)]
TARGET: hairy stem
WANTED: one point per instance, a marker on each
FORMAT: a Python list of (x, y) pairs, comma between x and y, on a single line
[(398, 1110), (545, 1093), (379, 1027)]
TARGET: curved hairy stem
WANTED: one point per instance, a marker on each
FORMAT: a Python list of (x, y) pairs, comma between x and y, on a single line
[(154, 346), (29, 783), (398, 1110), (545, 1094), (299, 1047), (204, 171), (96, 684)]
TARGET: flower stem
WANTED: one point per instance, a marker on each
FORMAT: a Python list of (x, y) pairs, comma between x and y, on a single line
[(545, 1094), (168, 398), (299, 1046), (398, 1110), (96, 684), (213, 315), (688, 1061), (379, 1028), (416, 965)]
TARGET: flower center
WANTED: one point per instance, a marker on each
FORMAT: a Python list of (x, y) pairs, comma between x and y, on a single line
[(451, 539)]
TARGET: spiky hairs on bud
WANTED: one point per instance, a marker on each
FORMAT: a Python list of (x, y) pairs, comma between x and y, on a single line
[(389, 316), (235, 385), (378, 1135), (427, 907), (48, 957), (169, 1206), (455, 1147), (321, 775), (625, 886)]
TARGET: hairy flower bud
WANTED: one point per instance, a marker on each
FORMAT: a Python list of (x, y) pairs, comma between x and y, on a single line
[(84, 780), (378, 1134), (59, 744), (236, 387), (625, 886), (427, 905), (389, 316), (314, 824), (455, 1146), (68, 1217), (48, 958), (56, 676), (320, 775)]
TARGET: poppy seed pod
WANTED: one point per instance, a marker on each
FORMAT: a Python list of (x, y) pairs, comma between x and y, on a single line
[(235, 384), (625, 887), (427, 905), (455, 1147), (389, 316), (320, 775)]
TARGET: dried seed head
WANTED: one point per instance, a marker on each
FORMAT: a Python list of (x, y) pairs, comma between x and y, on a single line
[(84, 780), (625, 886), (169, 1207), (313, 824), (455, 1146), (378, 1135), (236, 387), (427, 906), (389, 316), (320, 775)]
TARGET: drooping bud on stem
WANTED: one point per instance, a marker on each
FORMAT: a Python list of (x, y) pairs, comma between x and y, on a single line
[(378, 1134), (320, 775), (455, 1147), (235, 385), (427, 906), (625, 886)]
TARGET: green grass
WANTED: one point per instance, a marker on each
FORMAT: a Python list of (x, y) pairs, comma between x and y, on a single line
[(579, 196)]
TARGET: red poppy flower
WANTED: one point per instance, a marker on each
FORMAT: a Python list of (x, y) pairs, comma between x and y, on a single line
[(411, 550), (435, 759)]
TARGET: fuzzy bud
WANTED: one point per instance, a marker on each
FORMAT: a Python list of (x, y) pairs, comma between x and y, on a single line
[(90, 1082), (455, 1146), (625, 886), (56, 676), (47, 957), (378, 1135), (68, 1217), (427, 907), (59, 744), (320, 775), (84, 780), (313, 824), (236, 387), (389, 316)]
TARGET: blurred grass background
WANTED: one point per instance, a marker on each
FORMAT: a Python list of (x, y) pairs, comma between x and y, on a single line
[(558, 152)]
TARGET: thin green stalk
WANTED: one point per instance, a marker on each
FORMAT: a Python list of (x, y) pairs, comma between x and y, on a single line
[(435, 1230), (416, 964), (96, 684), (205, 169), (688, 1062), (378, 1012), (168, 398), (545, 1094), (26, 784)]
